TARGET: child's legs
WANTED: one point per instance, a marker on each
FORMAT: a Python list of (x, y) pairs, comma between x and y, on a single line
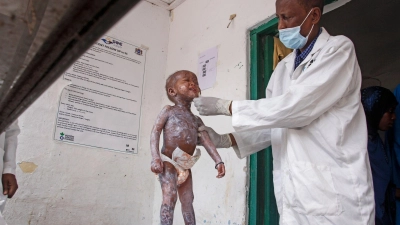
[(168, 181), (185, 191)]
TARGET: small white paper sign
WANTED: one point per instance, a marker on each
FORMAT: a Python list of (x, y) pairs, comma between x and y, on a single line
[(207, 68)]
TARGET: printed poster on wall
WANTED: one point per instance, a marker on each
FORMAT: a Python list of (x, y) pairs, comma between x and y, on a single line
[(207, 68), (101, 106)]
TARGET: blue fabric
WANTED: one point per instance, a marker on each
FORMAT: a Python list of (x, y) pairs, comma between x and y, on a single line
[(381, 175), (376, 102), (396, 152), (301, 56)]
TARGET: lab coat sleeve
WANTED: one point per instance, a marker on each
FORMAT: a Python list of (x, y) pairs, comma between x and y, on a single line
[(10, 148), (250, 142), (314, 92)]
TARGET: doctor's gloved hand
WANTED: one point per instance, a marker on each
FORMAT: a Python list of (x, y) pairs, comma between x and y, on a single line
[(210, 106), (219, 141)]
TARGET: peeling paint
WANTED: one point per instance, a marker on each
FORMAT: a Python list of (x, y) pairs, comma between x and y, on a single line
[(27, 167)]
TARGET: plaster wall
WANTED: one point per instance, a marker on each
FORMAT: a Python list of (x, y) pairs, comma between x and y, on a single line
[(80, 185)]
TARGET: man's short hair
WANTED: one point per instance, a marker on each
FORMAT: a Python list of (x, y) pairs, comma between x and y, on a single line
[(309, 4)]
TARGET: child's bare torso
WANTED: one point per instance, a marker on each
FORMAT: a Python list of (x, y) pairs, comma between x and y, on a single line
[(180, 130)]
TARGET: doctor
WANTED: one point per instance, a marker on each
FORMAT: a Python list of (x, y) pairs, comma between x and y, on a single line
[(314, 120), (8, 147)]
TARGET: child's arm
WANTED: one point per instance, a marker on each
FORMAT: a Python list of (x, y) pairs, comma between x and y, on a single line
[(211, 150), (156, 162)]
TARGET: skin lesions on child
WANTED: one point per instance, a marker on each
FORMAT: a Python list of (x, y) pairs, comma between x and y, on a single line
[(178, 153)]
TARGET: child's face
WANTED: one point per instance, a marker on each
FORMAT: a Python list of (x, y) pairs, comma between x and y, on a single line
[(187, 85)]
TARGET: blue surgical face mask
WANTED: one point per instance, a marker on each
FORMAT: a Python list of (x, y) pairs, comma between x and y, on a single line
[(292, 38)]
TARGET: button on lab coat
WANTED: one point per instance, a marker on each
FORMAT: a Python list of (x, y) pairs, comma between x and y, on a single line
[(315, 122)]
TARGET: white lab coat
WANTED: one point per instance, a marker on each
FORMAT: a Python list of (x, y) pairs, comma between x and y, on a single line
[(8, 148), (314, 120)]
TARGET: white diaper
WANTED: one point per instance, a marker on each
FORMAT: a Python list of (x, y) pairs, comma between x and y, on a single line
[(182, 162)]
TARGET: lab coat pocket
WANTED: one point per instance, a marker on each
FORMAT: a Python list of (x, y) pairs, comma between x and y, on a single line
[(277, 178), (315, 191)]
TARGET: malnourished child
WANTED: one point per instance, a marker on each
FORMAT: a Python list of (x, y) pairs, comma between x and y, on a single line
[(179, 153)]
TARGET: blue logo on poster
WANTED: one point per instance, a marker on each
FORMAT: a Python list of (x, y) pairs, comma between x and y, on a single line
[(107, 40), (139, 51), (111, 41)]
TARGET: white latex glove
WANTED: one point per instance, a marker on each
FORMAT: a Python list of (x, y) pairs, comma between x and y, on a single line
[(220, 141), (210, 106)]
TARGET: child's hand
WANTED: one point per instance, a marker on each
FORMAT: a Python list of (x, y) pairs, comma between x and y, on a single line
[(157, 166), (221, 170)]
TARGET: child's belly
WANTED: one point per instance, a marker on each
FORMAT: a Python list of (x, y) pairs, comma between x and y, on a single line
[(183, 137)]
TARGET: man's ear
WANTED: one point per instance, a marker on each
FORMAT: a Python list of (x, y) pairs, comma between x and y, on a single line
[(316, 15), (171, 92)]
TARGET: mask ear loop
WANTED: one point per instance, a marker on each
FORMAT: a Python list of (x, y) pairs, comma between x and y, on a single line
[(310, 30), (306, 17), (305, 21)]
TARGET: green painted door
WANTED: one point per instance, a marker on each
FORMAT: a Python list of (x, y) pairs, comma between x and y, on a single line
[(262, 204)]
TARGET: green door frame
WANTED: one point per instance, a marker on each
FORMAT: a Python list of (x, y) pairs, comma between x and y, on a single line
[(262, 204)]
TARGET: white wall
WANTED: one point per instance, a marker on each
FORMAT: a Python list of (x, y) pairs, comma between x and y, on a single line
[(196, 26), (79, 185)]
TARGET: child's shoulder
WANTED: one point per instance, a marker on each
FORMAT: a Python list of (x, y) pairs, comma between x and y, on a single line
[(167, 109)]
